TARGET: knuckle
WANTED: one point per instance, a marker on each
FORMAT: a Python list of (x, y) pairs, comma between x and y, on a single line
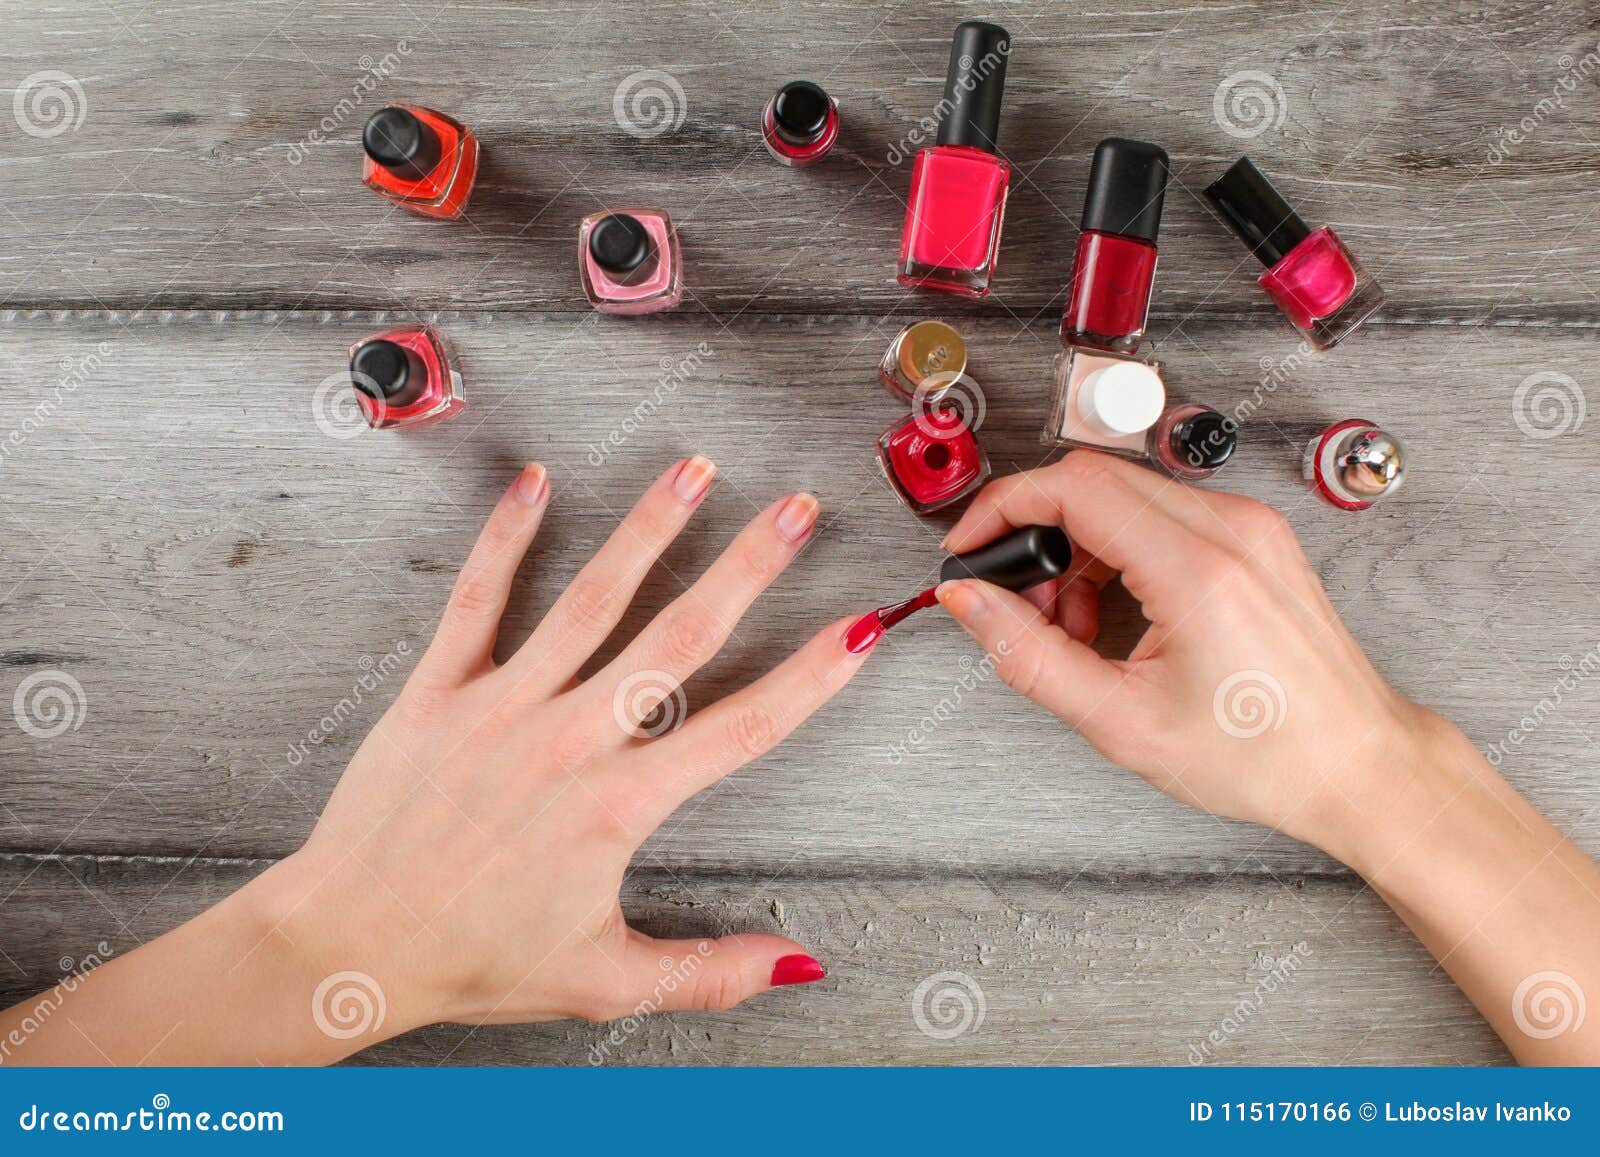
[(718, 990), (1082, 467), (758, 565), (689, 638), (753, 730), (475, 594), (1021, 669), (607, 1005), (593, 603)]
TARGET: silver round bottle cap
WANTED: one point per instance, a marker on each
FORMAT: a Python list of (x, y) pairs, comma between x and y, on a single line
[(1372, 465)]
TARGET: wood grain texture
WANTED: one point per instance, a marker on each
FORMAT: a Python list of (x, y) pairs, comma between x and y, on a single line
[(1066, 970), (216, 163), (218, 573)]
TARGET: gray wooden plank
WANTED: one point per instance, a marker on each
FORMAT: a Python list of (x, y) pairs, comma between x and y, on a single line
[(1068, 970), (217, 573), (179, 189)]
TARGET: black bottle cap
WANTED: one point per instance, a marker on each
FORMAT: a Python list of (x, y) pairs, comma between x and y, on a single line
[(1127, 185), (401, 143), (1257, 212), (387, 372), (800, 110), (619, 243), (1022, 559), (973, 86), (1206, 440)]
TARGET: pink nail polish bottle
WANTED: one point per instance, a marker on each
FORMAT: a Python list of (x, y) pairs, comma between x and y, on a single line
[(630, 262)]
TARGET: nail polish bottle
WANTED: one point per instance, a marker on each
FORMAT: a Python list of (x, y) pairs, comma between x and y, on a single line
[(800, 123), (923, 361), (1320, 286), (406, 377), (1103, 399), (958, 186), (630, 262), (1352, 464), (1019, 561), (1191, 442), (1115, 265), (420, 159), (932, 459)]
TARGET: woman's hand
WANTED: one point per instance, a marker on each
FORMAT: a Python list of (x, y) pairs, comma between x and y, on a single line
[(1246, 697), (467, 866)]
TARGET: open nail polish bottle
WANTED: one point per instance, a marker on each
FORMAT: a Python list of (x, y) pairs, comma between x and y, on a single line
[(1103, 399), (800, 123), (629, 261), (406, 377), (932, 459), (1315, 279), (951, 235), (1352, 464), (420, 159), (924, 359), (1115, 264), (1191, 442)]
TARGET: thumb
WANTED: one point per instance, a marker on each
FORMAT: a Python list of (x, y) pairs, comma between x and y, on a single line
[(697, 975), (1033, 655)]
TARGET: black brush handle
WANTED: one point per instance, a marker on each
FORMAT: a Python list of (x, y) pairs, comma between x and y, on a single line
[(1022, 559)]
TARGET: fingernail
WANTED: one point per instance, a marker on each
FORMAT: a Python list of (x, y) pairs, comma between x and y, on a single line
[(796, 969), (797, 516), (694, 478), (532, 484), (864, 633), (963, 600)]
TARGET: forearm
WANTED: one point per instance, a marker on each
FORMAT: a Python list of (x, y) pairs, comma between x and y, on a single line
[(1507, 904), (234, 986)]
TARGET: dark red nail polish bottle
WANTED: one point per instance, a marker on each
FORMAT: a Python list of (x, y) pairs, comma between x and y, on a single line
[(951, 235), (420, 159), (932, 459), (1115, 265), (800, 123), (406, 377), (1316, 281), (1191, 442)]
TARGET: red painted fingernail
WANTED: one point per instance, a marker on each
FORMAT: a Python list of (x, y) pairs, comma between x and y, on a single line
[(864, 633), (796, 969)]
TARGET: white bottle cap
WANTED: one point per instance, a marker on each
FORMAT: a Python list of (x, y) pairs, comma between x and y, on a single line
[(1126, 398)]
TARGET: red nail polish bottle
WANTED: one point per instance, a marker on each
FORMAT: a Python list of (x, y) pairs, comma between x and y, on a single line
[(932, 459), (421, 159), (1352, 464), (1191, 442), (958, 187), (406, 377), (1320, 286), (800, 123), (1115, 264), (630, 262)]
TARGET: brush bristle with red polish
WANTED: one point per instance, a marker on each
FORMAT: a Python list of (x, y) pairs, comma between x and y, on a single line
[(870, 627)]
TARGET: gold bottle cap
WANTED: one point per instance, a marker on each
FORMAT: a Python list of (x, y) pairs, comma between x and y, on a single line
[(930, 354)]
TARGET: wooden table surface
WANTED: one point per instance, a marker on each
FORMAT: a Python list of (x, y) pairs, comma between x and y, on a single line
[(188, 252)]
